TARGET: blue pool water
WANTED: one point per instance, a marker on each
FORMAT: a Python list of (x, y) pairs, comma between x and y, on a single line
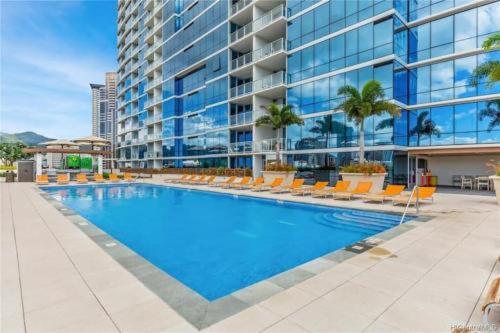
[(216, 243)]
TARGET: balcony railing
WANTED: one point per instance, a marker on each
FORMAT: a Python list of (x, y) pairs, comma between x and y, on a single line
[(241, 32), (154, 154), (242, 89), (241, 118), (153, 119), (152, 84), (154, 136), (239, 6), (152, 65), (241, 147), (152, 102), (152, 48), (265, 51), (269, 17), (269, 81)]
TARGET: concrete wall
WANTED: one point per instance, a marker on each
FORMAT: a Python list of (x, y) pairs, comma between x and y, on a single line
[(446, 166)]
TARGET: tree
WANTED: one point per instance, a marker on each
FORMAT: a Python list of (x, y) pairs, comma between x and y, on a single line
[(11, 152), (492, 111), (360, 105), (424, 126), (279, 118), (325, 127), (489, 69)]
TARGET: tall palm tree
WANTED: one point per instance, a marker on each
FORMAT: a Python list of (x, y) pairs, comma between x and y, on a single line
[(279, 118), (326, 127), (424, 127), (360, 105), (492, 111), (490, 69)]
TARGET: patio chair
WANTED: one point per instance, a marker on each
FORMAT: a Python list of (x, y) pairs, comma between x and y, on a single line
[(171, 180), (63, 179), (183, 179), (389, 192), (467, 182), (98, 178), (308, 190), (456, 180), (244, 182), (42, 179), (227, 181), (295, 185), (424, 194), (206, 181), (341, 186), (362, 188), (257, 182), (492, 299), (483, 182), (269, 186), (81, 178), (113, 177), (127, 176), (195, 180)]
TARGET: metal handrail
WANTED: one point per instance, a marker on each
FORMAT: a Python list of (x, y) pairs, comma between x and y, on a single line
[(415, 190)]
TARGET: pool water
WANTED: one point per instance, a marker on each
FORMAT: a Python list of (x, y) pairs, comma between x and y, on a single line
[(218, 243)]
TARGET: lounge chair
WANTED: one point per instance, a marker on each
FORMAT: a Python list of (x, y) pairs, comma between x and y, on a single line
[(172, 180), (257, 182), (184, 179), (113, 177), (296, 184), (492, 299), (244, 181), (390, 192), (128, 177), (341, 186), (308, 190), (221, 183), (81, 178), (195, 180), (206, 181), (361, 189), (63, 179), (98, 178), (42, 179), (424, 193), (269, 186)]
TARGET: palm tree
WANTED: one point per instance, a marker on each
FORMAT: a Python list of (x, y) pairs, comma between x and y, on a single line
[(424, 127), (490, 69), (325, 127), (492, 111), (279, 118), (360, 105)]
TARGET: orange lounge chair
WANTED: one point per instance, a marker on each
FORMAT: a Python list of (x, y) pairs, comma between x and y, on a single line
[(42, 179), (206, 181), (257, 182), (269, 186), (296, 184), (424, 193), (361, 189), (341, 186), (195, 179), (244, 181), (224, 183), (127, 176), (81, 178), (308, 190), (113, 177), (183, 179), (390, 192), (63, 179), (98, 178), (171, 180)]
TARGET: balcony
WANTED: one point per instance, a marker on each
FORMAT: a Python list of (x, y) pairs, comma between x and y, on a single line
[(242, 32), (154, 154), (152, 48), (264, 52), (152, 66), (241, 90), (268, 82), (151, 84), (239, 6), (245, 147), (243, 118), (153, 119), (242, 61), (276, 80), (154, 136), (151, 102)]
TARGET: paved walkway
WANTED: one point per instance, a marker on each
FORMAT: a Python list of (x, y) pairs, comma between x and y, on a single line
[(54, 278)]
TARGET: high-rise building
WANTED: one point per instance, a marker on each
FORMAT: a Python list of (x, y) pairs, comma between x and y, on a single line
[(104, 109), (194, 76)]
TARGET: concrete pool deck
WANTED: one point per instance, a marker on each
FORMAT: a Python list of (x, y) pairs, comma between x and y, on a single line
[(55, 278)]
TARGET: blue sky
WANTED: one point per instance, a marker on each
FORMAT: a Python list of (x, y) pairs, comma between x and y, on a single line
[(50, 52)]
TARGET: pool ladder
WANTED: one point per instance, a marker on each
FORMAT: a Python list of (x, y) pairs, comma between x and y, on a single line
[(414, 191)]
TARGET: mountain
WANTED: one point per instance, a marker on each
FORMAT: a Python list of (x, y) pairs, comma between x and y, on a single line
[(28, 138)]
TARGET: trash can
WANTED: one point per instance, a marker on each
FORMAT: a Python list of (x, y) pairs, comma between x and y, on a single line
[(25, 171)]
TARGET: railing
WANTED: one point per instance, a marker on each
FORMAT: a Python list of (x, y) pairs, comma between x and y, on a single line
[(265, 51), (242, 89), (152, 84), (269, 81), (152, 65), (151, 102), (239, 6), (154, 119), (413, 192), (241, 118), (241, 147), (154, 136), (152, 48), (269, 17), (241, 32), (154, 154)]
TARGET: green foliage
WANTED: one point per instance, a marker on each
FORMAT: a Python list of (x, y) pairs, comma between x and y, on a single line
[(366, 168), (280, 167), (11, 152), (489, 70), (368, 102), (73, 161)]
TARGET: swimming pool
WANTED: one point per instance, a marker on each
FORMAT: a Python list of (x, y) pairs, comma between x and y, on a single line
[(215, 243)]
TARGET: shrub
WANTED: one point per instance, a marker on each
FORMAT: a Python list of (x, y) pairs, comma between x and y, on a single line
[(279, 167), (494, 165), (366, 168)]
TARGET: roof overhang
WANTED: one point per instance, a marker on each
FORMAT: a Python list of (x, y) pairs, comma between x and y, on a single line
[(36, 150), (455, 150)]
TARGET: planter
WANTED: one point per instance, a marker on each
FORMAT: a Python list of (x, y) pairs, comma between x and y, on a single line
[(377, 180), (496, 185), (287, 176)]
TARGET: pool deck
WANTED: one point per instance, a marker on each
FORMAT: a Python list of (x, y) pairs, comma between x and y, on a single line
[(56, 278)]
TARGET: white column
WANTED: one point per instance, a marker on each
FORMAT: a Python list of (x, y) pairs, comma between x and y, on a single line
[(99, 164), (38, 164)]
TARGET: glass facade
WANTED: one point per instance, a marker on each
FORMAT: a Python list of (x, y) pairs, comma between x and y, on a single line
[(194, 75)]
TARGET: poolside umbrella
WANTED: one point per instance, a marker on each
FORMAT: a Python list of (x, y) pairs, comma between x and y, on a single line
[(93, 141)]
